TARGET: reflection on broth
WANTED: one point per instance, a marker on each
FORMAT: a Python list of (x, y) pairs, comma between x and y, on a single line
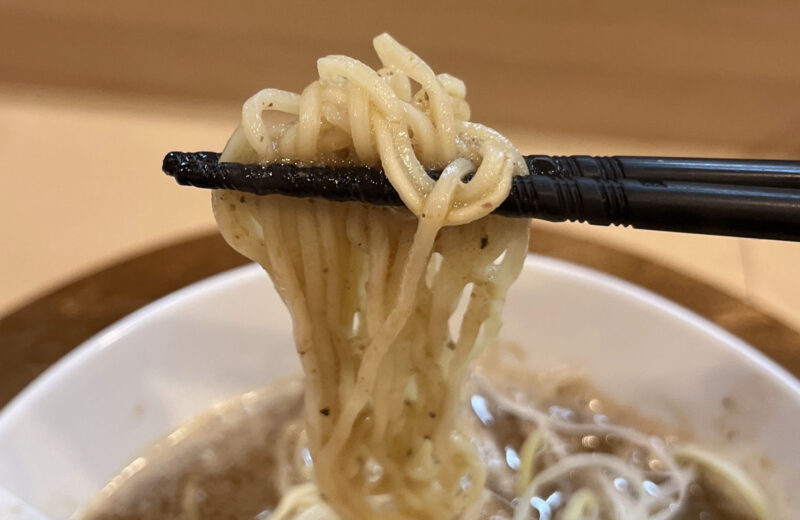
[(222, 464)]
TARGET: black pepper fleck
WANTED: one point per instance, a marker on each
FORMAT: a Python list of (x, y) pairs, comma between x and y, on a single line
[(325, 411), (484, 242)]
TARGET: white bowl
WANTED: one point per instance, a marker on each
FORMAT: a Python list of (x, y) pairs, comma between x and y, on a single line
[(90, 414)]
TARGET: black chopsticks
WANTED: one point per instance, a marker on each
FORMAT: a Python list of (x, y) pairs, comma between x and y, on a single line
[(739, 172), (745, 198)]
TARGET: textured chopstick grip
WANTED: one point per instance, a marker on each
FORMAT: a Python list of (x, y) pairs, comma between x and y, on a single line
[(738, 172)]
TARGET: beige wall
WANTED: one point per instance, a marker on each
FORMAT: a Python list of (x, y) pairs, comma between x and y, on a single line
[(93, 93)]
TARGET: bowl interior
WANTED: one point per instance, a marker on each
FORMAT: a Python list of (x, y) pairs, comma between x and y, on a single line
[(89, 415)]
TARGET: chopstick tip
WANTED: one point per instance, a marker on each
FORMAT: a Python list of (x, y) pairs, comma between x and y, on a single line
[(177, 163), (172, 163)]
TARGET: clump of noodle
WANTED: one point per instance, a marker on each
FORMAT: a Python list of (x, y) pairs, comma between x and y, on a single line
[(550, 435), (371, 290), (730, 475)]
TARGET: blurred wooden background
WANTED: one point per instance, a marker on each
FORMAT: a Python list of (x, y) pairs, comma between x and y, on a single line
[(92, 93)]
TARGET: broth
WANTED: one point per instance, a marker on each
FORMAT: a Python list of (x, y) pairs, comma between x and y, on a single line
[(233, 461)]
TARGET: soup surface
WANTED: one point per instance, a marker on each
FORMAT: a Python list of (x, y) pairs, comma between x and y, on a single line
[(236, 460)]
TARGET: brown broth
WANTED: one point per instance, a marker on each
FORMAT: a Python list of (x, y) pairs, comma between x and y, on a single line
[(219, 465), (222, 464)]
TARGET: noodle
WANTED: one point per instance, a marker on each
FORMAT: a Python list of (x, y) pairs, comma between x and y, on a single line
[(372, 291)]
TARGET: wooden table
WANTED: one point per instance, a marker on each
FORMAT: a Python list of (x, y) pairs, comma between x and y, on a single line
[(86, 84), (41, 332)]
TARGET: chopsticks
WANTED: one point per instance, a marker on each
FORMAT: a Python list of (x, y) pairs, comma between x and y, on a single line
[(731, 197)]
